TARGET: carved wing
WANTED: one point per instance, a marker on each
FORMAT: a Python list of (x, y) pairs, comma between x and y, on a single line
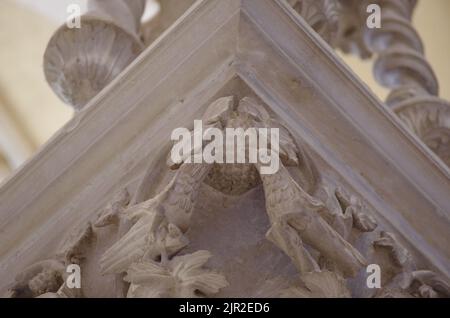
[(160, 222), (133, 245)]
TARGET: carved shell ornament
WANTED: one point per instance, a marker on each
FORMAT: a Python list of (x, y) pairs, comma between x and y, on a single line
[(80, 62)]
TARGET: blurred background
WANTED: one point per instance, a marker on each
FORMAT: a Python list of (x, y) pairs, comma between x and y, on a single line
[(30, 113)]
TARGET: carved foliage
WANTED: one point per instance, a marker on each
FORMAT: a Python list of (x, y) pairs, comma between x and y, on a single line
[(311, 221), (400, 279), (182, 276), (47, 278)]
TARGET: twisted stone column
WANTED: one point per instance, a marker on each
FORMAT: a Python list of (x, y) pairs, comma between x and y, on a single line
[(321, 15), (79, 62), (401, 66)]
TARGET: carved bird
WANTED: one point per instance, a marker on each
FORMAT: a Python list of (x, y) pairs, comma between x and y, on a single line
[(159, 223), (287, 202)]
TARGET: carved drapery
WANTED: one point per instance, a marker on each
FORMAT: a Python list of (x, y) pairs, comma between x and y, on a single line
[(79, 62), (312, 220), (401, 66)]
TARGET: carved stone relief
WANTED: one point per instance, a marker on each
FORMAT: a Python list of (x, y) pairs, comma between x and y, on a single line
[(47, 278), (314, 225), (401, 279)]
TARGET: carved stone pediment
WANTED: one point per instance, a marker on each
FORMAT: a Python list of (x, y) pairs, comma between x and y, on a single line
[(317, 222)]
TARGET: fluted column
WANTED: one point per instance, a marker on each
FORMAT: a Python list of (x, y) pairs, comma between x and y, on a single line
[(401, 66), (79, 62)]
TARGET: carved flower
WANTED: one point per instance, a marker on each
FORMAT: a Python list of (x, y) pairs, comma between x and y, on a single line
[(183, 276)]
